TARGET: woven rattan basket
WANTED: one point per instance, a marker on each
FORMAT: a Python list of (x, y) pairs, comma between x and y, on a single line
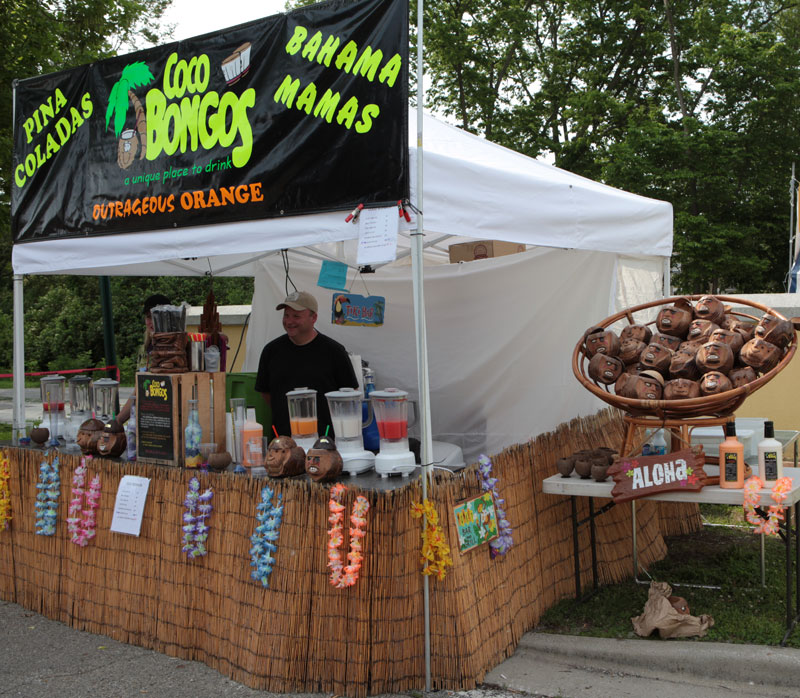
[(718, 405)]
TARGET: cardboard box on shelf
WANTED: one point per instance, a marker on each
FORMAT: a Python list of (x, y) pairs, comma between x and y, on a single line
[(162, 413), (481, 249)]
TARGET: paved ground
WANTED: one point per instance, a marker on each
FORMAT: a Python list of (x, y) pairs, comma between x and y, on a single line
[(40, 658)]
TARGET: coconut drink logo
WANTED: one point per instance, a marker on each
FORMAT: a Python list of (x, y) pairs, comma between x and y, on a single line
[(131, 140)]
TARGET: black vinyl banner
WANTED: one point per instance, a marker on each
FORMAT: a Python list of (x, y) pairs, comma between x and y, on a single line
[(296, 113)]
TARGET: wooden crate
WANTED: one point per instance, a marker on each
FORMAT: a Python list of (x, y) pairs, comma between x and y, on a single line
[(162, 413)]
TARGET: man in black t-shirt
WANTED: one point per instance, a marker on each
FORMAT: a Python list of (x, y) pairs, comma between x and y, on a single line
[(302, 358)]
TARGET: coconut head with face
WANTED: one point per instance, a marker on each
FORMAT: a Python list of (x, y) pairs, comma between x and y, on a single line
[(674, 319), (760, 355), (641, 332), (285, 458), (683, 363), (714, 356), (775, 330), (733, 339), (602, 342), (700, 330), (656, 357), (710, 308), (323, 461), (605, 369), (681, 389), (630, 350), (714, 382), (89, 434), (742, 375), (666, 340), (648, 385)]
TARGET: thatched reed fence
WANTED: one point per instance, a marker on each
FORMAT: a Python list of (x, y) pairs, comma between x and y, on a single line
[(301, 634)]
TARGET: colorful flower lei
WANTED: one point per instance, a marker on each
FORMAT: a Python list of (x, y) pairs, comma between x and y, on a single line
[(775, 513), (5, 493), (46, 506), (81, 523), (435, 549), (346, 575), (265, 536), (504, 541), (195, 529)]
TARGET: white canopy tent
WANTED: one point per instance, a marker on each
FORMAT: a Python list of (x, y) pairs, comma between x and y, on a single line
[(501, 330)]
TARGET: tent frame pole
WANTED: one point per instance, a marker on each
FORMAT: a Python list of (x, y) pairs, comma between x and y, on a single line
[(426, 445), (19, 360)]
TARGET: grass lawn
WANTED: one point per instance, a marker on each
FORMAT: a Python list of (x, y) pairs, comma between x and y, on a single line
[(742, 610)]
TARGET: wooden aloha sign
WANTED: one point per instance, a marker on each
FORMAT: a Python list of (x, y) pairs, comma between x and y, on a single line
[(641, 476)]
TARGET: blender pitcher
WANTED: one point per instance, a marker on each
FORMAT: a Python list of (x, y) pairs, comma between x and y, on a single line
[(80, 407), (53, 416), (303, 416), (391, 414), (347, 419), (106, 399)]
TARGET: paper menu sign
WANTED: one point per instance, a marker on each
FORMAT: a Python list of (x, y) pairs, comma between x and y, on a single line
[(377, 235), (129, 505)]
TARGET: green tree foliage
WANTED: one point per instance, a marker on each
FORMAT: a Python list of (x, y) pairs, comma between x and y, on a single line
[(694, 102)]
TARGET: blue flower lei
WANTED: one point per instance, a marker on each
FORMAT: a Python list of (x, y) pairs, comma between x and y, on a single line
[(501, 544), (46, 506), (265, 536), (195, 529)]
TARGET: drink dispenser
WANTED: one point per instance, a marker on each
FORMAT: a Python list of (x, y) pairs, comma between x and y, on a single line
[(347, 420), (106, 399), (53, 415), (391, 414), (303, 416)]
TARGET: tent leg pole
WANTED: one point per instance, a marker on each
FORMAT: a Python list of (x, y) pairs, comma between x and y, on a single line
[(19, 361)]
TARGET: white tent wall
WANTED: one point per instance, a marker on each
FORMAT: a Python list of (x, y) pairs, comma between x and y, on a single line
[(500, 336)]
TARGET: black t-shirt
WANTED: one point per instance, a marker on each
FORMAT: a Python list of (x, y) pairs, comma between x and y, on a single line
[(323, 364)]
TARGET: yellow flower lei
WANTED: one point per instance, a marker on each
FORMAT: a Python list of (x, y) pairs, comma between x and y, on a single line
[(435, 549), (5, 493)]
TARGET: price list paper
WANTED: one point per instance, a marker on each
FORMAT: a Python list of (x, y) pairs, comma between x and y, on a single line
[(129, 505), (377, 235)]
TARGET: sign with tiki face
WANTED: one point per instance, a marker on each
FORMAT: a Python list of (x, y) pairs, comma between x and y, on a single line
[(641, 476), (296, 113)]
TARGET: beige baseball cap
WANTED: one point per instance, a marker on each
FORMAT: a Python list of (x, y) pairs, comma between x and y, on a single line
[(299, 300)]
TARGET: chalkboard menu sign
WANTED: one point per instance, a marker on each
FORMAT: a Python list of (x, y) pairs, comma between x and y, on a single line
[(154, 417)]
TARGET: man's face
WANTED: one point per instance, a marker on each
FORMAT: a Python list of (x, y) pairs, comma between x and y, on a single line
[(298, 323)]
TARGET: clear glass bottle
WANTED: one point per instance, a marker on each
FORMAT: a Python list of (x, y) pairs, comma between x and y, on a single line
[(192, 437), (130, 431)]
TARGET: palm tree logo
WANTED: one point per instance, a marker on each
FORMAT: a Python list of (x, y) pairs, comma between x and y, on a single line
[(132, 140)]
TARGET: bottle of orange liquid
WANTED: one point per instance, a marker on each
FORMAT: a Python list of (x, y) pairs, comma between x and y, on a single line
[(252, 437), (731, 460)]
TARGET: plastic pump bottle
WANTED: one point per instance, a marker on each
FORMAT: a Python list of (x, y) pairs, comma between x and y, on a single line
[(658, 444), (770, 455), (731, 460)]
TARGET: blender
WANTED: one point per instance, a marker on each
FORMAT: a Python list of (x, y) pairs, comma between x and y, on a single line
[(106, 392), (391, 414), (80, 407), (303, 416), (53, 416), (346, 417)]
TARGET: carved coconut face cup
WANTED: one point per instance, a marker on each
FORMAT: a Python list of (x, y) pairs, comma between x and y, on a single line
[(644, 386), (602, 343), (774, 330), (760, 355), (742, 376), (112, 441), (681, 389), (701, 330), (714, 356), (656, 357), (630, 350), (323, 461), (710, 308), (88, 435), (673, 321), (733, 339), (666, 340), (714, 382), (641, 332), (736, 324), (285, 458), (605, 369), (683, 364)]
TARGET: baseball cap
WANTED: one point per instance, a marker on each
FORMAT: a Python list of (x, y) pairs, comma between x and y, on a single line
[(153, 301), (299, 300)]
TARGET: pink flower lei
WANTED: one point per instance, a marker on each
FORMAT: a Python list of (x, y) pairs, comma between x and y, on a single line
[(82, 523), (775, 513), (345, 575)]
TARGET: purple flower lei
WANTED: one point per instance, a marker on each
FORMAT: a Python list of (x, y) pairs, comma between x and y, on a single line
[(501, 544), (195, 529)]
